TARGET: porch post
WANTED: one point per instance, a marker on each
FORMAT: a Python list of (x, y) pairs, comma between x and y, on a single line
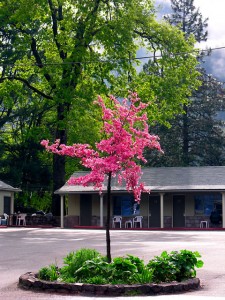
[(223, 209), (161, 211), (12, 204), (101, 210), (62, 211)]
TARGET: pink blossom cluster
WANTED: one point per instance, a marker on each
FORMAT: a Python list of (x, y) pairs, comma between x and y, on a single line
[(126, 136)]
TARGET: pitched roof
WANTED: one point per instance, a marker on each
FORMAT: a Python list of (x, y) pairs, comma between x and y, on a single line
[(7, 187), (166, 179)]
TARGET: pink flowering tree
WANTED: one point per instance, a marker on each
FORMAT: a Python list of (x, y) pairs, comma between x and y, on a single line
[(126, 135)]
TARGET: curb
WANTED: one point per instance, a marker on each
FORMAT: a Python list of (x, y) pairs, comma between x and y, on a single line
[(29, 281)]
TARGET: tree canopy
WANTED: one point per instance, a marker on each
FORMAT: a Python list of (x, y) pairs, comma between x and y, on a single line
[(205, 130), (56, 56), (198, 133), (189, 19)]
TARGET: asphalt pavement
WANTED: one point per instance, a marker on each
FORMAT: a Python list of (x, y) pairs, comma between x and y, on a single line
[(28, 249)]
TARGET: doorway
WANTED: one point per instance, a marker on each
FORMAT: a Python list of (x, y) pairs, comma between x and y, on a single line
[(179, 211), (154, 211), (85, 209), (6, 208)]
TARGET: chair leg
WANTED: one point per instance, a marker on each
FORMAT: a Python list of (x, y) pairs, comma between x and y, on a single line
[(135, 224)]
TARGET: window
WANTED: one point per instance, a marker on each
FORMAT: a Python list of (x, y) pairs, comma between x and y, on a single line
[(206, 203), (125, 206)]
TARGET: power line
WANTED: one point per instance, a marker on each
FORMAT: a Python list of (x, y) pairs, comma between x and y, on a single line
[(2, 64)]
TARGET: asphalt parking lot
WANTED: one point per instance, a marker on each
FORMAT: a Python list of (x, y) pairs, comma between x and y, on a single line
[(29, 249)]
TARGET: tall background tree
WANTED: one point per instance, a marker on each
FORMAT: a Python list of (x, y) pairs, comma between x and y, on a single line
[(189, 19), (198, 134), (205, 138), (57, 55)]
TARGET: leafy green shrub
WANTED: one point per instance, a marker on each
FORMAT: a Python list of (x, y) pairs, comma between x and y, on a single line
[(97, 267), (139, 263), (145, 276), (128, 270), (50, 273), (186, 261), (75, 260), (97, 280), (141, 274), (176, 266), (89, 266), (121, 270)]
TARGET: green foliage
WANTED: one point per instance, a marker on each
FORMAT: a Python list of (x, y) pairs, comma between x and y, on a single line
[(97, 280), (198, 132), (123, 270), (189, 19), (144, 276), (58, 55), (75, 260), (89, 266), (50, 273), (31, 202), (203, 134), (158, 74), (176, 265), (139, 263), (95, 269)]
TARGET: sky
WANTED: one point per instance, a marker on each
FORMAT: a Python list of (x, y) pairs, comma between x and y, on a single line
[(214, 10)]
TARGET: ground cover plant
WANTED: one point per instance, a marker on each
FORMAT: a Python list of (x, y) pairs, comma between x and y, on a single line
[(89, 266)]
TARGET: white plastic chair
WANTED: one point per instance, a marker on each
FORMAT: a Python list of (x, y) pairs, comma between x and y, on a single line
[(137, 219), (117, 219), (4, 221), (21, 218)]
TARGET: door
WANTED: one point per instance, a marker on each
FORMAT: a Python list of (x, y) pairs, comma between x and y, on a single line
[(154, 211), (85, 209), (179, 211), (6, 208)]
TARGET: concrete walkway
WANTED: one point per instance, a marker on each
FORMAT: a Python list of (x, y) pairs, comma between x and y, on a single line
[(29, 249)]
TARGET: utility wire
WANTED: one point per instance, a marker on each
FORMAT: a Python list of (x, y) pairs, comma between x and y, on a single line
[(2, 64)]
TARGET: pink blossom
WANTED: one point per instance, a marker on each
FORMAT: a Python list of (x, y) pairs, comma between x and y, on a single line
[(126, 136)]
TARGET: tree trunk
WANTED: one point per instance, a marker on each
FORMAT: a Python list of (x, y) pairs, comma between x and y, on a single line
[(58, 181), (108, 246), (59, 161), (185, 138)]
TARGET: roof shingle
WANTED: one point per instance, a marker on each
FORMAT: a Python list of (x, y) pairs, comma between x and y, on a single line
[(166, 179)]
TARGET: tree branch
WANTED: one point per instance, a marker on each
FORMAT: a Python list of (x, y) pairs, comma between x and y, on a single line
[(39, 61), (55, 27), (26, 82)]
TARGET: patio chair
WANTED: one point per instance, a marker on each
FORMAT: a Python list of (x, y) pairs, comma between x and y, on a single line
[(4, 221), (136, 220), (21, 220), (117, 219)]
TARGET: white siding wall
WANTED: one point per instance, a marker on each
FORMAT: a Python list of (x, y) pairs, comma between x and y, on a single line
[(74, 205)]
